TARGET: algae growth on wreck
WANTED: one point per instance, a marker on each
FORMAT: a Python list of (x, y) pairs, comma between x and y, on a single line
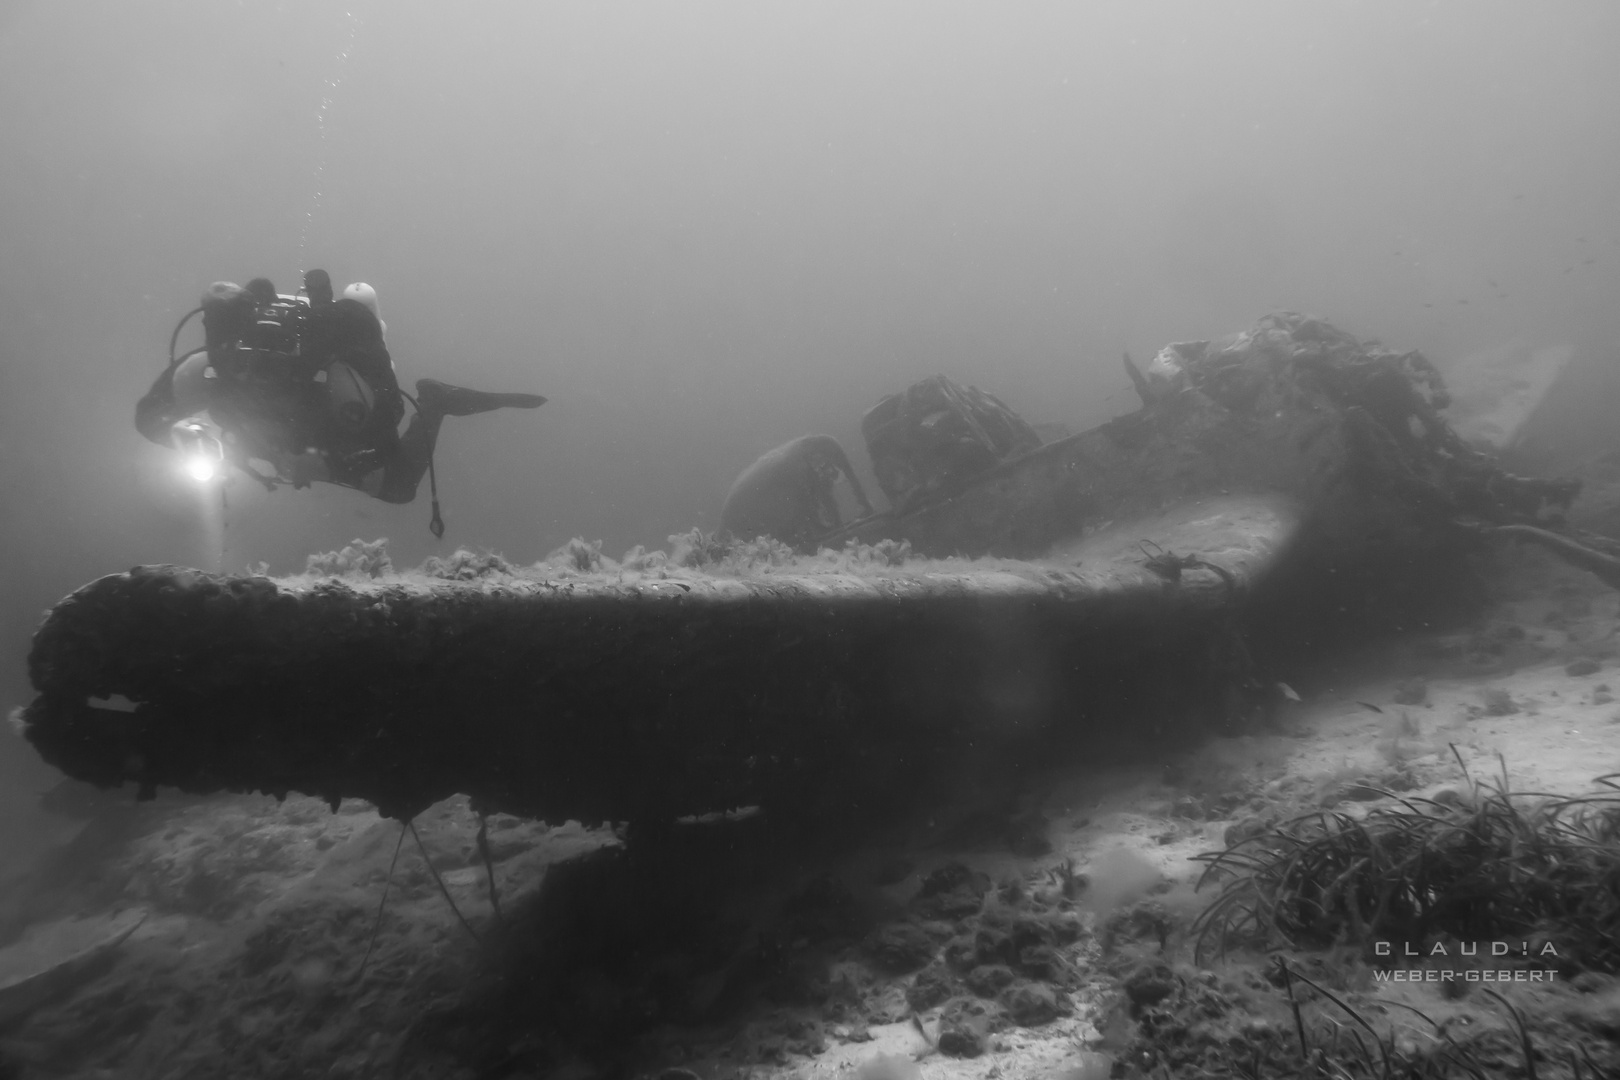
[(714, 676)]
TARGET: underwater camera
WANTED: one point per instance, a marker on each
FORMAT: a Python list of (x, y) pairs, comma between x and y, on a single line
[(200, 449)]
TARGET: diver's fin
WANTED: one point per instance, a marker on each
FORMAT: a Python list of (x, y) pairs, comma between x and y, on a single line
[(446, 400)]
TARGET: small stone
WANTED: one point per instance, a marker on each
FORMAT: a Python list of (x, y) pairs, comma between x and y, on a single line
[(1584, 666), (988, 980), (934, 984), (961, 1042), (900, 947), (1149, 985), (964, 1028), (962, 953), (993, 946), (1043, 962), (1144, 922), (1032, 1004), (887, 1007)]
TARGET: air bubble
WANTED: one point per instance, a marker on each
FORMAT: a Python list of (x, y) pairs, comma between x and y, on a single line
[(329, 89)]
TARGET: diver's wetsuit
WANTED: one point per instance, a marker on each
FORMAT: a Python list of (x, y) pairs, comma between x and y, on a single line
[(157, 413), (276, 402)]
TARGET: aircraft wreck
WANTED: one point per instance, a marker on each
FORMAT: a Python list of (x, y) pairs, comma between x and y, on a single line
[(1111, 579)]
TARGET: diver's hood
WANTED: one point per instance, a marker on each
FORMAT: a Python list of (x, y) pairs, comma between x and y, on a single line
[(223, 292)]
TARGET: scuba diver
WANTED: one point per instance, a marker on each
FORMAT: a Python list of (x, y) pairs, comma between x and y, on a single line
[(304, 385)]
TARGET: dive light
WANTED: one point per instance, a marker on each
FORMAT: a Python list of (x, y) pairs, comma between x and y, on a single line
[(203, 455)]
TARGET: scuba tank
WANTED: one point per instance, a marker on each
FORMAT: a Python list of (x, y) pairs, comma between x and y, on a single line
[(364, 294), (349, 398)]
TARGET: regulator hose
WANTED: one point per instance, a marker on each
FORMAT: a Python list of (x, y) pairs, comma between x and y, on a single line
[(174, 338)]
